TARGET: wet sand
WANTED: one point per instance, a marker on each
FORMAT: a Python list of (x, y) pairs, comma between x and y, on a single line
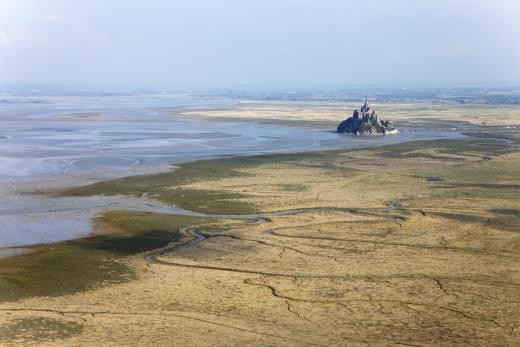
[(341, 247), (73, 141), (361, 250)]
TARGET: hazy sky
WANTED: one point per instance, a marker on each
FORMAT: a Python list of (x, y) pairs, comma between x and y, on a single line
[(262, 43)]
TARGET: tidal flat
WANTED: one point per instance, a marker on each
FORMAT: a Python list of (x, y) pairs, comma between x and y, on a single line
[(342, 247), (68, 141)]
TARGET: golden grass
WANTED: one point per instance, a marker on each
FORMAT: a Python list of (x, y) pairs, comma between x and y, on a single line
[(328, 112), (369, 253)]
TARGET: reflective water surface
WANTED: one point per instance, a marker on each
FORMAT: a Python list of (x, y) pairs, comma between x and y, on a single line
[(66, 141)]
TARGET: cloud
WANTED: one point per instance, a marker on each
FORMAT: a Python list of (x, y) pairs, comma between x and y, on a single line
[(262, 42)]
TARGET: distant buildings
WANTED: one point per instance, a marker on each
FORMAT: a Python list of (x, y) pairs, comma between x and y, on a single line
[(365, 122)]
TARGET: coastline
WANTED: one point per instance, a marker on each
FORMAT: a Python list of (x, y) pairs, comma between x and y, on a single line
[(76, 216), (344, 223), (120, 152), (141, 201)]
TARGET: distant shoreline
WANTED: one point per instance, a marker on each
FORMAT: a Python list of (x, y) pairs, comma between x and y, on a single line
[(120, 202)]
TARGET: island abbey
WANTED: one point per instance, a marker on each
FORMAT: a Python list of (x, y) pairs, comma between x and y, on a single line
[(365, 122)]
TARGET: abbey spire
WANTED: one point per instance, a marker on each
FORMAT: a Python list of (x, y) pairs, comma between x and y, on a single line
[(365, 122)]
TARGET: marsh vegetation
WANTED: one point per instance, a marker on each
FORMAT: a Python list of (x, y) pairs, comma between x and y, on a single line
[(367, 252)]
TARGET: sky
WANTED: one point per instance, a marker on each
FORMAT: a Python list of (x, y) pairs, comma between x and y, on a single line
[(260, 43)]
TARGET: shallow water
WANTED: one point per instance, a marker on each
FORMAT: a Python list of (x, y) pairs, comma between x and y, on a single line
[(66, 141), (434, 179)]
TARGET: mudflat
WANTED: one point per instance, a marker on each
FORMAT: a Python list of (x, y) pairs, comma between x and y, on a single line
[(60, 142), (347, 247)]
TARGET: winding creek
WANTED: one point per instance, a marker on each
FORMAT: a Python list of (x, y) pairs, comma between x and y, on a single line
[(72, 141)]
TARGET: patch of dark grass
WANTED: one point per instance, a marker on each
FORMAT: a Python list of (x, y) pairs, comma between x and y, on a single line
[(505, 219), (506, 211), (505, 223), (58, 269), (129, 244), (465, 146), (209, 201), (480, 185), (293, 187), (166, 186), (504, 134), (460, 217), (38, 329), (79, 265), (205, 170)]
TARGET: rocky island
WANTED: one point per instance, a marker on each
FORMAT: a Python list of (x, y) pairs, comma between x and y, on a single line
[(365, 122)]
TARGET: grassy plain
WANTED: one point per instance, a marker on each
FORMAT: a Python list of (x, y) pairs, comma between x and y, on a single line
[(409, 244), (434, 113)]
